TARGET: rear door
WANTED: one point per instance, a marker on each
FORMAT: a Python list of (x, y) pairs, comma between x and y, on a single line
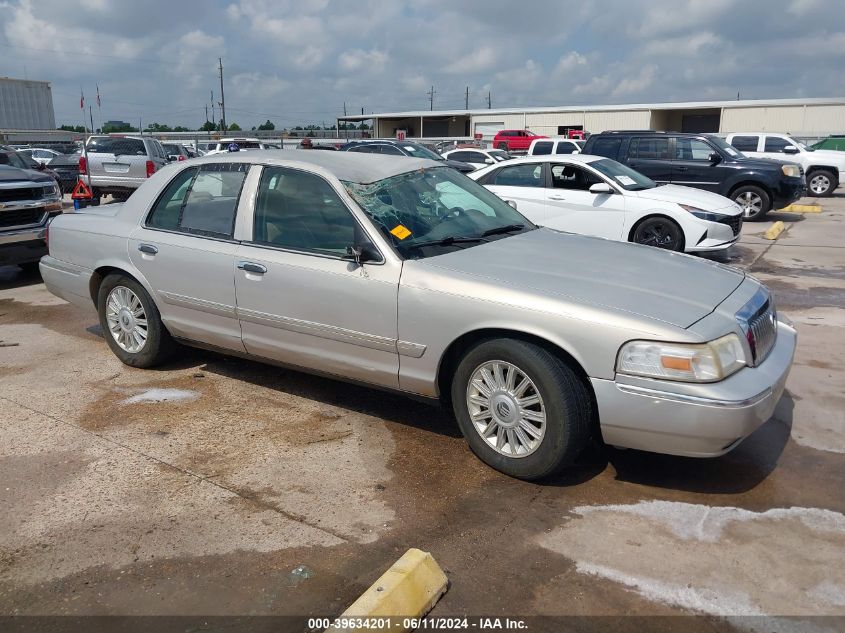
[(692, 165), (186, 250), (651, 156), (524, 184), (571, 207)]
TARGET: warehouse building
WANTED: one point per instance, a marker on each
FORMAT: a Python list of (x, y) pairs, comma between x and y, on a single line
[(800, 117), (26, 105)]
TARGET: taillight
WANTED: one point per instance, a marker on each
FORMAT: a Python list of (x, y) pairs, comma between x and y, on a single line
[(83, 165), (180, 157), (151, 168)]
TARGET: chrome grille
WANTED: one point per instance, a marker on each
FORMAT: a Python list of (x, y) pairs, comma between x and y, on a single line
[(733, 221), (763, 332)]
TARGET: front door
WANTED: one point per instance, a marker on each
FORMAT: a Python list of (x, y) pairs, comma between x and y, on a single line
[(692, 166), (571, 207), (301, 300), (185, 250), (523, 184)]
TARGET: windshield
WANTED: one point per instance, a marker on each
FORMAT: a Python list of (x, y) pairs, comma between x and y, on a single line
[(623, 175), (418, 151), (723, 145), (499, 155), (435, 204)]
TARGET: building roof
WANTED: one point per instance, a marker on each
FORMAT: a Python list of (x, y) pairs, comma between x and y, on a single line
[(683, 105)]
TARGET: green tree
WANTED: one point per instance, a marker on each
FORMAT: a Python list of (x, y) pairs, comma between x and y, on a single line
[(208, 126), (234, 127), (267, 125), (180, 128), (72, 128)]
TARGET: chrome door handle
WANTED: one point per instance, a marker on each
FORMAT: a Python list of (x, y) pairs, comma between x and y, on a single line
[(556, 198), (149, 249), (251, 267)]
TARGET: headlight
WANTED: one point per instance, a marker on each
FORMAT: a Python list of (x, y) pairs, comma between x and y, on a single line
[(792, 171), (51, 190), (701, 213), (706, 362)]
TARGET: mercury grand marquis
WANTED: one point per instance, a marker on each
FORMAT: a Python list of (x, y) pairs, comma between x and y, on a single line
[(406, 275)]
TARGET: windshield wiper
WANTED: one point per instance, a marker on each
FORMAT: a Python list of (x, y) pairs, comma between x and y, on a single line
[(448, 241), (507, 228)]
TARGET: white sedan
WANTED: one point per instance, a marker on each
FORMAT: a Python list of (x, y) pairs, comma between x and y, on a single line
[(597, 196), (477, 157)]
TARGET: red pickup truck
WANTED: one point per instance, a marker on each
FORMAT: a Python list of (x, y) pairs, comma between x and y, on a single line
[(515, 140)]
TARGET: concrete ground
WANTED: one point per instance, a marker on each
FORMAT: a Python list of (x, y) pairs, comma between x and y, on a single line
[(197, 488)]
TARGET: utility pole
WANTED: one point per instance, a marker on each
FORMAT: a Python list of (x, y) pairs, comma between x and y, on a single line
[(344, 108), (206, 112), (222, 96), (489, 102), (91, 116), (467, 99), (431, 94), (213, 116)]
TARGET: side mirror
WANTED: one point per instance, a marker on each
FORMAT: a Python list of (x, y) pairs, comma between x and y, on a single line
[(361, 254), (512, 204), (601, 187), (715, 157), (790, 149)]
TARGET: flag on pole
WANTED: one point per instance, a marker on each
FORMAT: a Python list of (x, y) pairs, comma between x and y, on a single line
[(81, 99), (98, 95)]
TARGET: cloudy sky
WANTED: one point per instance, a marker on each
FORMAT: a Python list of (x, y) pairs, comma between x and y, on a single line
[(297, 61)]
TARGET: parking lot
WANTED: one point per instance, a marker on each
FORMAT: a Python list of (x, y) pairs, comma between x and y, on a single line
[(199, 487)]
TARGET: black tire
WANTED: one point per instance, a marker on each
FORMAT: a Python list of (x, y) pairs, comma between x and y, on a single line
[(565, 398), (660, 232), (93, 202), (755, 202), (30, 268), (159, 345), (503, 146), (821, 183)]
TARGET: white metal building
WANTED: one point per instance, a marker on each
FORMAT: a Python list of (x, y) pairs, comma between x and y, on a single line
[(800, 117), (26, 105)]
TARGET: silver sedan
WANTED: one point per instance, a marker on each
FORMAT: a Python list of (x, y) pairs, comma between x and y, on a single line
[(407, 275)]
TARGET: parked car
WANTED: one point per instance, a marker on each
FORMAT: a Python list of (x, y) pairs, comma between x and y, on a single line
[(597, 196), (41, 154), (175, 151), (706, 162), (390, 147), (478, 158), (542, 147), (833, 142), (15, 158), (823, 168), (515, 140), (118, 165), (537, 339), (28, 200), (66, 169), (222, 146)]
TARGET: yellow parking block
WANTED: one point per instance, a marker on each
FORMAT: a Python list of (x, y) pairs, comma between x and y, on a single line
[(803, 208), (774, 230), (409, 589)]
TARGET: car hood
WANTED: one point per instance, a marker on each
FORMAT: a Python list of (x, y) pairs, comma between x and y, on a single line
[(833, 156), (638, 280), (15, 174), (705, 200)]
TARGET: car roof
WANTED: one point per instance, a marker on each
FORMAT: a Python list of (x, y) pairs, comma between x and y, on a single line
[(349, 166)]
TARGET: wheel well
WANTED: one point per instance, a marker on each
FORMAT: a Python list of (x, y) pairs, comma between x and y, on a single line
[(453, 354), (655, 215), (97, 279), (751, 183), (833, 170)]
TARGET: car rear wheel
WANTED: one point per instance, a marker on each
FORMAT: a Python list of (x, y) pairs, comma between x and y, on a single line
[(522, 410), (821, 183), (660, 232), (755, 202), (131, 322)]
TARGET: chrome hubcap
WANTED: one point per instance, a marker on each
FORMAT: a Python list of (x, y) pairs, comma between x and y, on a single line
[(819, 183), (506, 408), (126, 319), (750, 202)]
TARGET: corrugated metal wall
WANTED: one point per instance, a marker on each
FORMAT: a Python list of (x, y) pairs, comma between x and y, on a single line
[(26, 105), (810, 120), (620, 120)]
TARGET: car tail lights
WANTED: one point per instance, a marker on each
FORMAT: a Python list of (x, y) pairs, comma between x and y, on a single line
[(151, 168), (83, 165)]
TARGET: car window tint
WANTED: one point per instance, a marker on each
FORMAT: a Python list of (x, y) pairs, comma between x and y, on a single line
[(165, 213), (117, 146), (572, 177), (213, 200), (462, 156), (607, 146), (565, 147), (542, 148), (301, 211), (692, 149), (650, 148), (745, 143), (364, 149), (775, 144), (528, 175), (389, 149), (475, 157)]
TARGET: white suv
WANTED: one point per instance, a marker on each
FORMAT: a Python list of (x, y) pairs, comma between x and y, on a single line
[(546, 146), (824, 168)]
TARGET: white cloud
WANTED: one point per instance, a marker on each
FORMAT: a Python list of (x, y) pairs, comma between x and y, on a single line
[(356, 60), (636, 84), (481, 58)]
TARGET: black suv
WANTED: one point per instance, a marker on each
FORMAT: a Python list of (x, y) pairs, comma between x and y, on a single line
[(706, 162), (403, 148)]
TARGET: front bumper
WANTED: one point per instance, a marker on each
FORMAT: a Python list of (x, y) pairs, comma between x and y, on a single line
[(788, 190), (695, 420), (23, 245)]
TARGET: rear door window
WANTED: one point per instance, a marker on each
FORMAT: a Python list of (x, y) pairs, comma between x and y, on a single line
[(527, 175), (775, 144), (692, 149), (607, 146), (565, 147), (745, 143), (656, 148), (541, 148)]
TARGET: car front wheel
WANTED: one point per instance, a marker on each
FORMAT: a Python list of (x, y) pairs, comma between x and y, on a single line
[(755, 202), (660, 232), (821, 183), (503, 146), (131, 322), (521, 409)]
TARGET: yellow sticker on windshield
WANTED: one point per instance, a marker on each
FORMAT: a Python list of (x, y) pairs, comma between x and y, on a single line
[(400, 231)]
